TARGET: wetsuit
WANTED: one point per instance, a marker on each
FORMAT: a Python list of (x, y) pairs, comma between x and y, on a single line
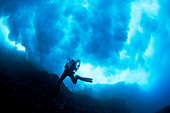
[(70, 69)]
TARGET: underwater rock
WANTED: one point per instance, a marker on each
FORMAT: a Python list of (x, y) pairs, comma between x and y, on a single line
[(164, 110), (25, 89)]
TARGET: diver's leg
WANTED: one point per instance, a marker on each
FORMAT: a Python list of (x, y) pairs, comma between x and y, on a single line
[(84, 79), (73, 79), (63, 76)]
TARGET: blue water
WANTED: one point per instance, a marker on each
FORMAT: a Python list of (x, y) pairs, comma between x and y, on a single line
[(122, 45)]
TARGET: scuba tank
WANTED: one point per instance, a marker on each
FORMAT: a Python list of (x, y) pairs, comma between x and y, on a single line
[(73, 66)]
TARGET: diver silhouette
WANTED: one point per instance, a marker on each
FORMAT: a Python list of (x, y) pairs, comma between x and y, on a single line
[(71, 67)]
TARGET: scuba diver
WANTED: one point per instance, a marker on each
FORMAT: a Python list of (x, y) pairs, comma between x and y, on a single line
[(71, 67)]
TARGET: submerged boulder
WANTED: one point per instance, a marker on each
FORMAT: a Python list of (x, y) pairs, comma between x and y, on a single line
[(164, 110)]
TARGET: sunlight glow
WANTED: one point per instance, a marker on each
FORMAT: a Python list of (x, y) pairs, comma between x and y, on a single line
[(139, 7), (100, 75), (5, 31)]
